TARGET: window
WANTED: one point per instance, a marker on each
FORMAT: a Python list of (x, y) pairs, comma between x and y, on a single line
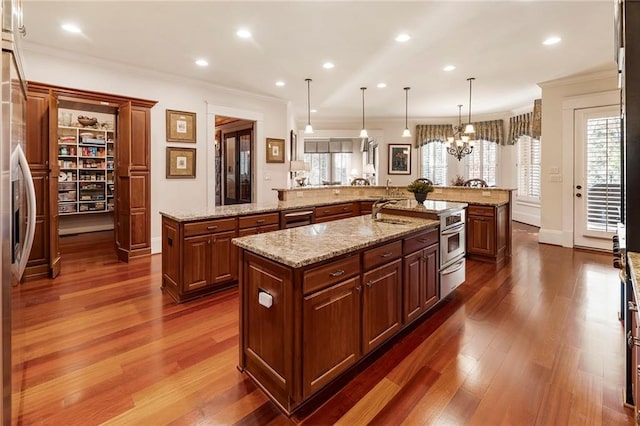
[(482, 162), (330, 160), (603, 173), (434, 162), (528, 167)]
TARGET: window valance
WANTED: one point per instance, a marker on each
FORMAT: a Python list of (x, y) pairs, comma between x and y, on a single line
[(492, 131), (520, 125), (427, 133), (325, 146)]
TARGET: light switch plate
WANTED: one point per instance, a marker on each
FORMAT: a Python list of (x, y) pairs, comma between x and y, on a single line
[(555, 178), (554, 170)]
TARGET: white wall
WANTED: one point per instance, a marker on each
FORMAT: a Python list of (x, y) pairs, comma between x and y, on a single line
[(60, 68), (559, 100)]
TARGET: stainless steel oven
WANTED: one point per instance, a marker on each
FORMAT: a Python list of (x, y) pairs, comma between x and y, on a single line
[(452, 251)]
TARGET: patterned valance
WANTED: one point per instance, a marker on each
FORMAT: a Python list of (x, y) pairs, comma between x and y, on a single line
[(427, 133), (520, 125), (492, 131)]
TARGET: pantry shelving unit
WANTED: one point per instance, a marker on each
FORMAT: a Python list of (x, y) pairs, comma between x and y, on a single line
[(86, 160)]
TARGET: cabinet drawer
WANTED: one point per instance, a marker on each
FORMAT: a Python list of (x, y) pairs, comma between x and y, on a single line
[(329, 274), (257, 230), (481, 210), (209, 226), (383, 254), (346, 208), (258, 220), (420, 241)]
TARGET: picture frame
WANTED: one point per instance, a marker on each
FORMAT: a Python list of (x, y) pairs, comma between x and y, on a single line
[(275, 150), (181, 163), (181, 126), (399, 159)]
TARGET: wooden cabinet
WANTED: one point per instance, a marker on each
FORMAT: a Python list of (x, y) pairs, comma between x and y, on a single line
[(366, 207), (488, 232), (198, 257), (420, 274), (336, 211), (381, 304), (258, 223)]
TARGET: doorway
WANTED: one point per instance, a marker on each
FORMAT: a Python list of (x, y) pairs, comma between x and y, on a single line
[(597, 179), (234, 168)]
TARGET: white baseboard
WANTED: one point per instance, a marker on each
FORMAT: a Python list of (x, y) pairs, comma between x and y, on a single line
[(551, 236), (529, 219), (156, 245), (83, 229)]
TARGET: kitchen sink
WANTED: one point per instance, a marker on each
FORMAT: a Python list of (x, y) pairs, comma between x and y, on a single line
[(393, 221)]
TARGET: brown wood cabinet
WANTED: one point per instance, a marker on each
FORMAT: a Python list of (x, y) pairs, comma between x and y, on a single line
[(420, 274), (336, 211), (132, 208), (488, 231), (198, 257), (258, 223), (324, 318)]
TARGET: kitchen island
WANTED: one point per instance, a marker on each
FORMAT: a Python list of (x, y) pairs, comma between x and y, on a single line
[(316, 300)]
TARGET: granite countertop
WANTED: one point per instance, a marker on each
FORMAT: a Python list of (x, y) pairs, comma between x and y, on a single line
[(430, 206), (475, 202), (297, 247)]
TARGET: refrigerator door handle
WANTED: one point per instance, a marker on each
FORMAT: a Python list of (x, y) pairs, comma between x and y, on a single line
[(21, 160)]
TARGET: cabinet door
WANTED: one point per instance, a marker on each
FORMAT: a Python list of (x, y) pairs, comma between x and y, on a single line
[(223, 258), (381, 304), (481, 235), (430, 261), (413, 279), (196, 262), (331, 333)]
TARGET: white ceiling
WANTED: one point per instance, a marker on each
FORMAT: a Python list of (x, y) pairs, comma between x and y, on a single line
[(499, 43)]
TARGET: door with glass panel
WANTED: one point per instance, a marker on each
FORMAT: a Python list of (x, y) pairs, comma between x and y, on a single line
[(237, 166), (597, 180)]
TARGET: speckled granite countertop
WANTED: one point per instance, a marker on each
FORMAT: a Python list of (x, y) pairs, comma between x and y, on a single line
[(297, 247), (430, 206)]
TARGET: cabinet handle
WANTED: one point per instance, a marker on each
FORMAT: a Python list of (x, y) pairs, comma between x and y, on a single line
[(260, 221), (208, 241), (369, 284), (337, 273), (211, 227), (632, 340), (423, 240), (345, 209), (326, 212), (632, 306), (358, 289), (387, 254)]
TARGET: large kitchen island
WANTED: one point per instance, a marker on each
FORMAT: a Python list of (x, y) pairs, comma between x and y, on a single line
[(316, 300)]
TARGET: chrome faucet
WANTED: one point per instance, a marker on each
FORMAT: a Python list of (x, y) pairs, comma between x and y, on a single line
[(386, 188), (378, 205)]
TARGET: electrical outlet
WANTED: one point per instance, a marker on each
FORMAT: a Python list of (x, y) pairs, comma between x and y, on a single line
[(554, 170), (299, 194), (437, 190), (486, 193), (555, 178)]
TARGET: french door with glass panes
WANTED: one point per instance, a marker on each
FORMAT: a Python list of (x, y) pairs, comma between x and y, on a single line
[(237, 177), (597, 180)]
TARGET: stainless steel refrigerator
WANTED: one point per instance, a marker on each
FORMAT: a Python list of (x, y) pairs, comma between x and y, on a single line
[(17, 199)]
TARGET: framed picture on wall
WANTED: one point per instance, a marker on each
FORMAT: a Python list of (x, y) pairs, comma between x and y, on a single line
[(275, 150), (399, 159), (181, 163), (181, 126)]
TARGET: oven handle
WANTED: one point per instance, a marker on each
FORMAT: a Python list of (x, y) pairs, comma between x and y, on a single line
[(18, 158), (453, 230), (451, 271)]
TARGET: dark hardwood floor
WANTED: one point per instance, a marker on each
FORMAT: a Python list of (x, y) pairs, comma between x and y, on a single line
[(535, 341)]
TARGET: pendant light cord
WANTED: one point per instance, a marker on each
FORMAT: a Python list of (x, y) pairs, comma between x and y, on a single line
[(308, 101), (363, 89), (406, 107), (470, 80)]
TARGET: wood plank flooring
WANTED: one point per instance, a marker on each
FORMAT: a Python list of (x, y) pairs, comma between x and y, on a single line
[(535, 341)]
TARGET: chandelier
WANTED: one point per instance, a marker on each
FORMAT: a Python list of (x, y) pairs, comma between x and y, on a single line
[(461, 143)]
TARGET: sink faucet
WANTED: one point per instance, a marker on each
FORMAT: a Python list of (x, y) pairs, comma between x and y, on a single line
[(378, 205), (386, 188)]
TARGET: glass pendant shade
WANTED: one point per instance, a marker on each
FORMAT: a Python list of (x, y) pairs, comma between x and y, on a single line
[(308, 129), (469, 128), (406, 133), (363, 133)]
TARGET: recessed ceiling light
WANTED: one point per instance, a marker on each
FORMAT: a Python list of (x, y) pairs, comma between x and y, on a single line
[(381, 85), (401, 38), (72, 28), (314, 110), (202, 63), (449, 68), (552, 40), (243, 33), (328, 65), (279, 83)]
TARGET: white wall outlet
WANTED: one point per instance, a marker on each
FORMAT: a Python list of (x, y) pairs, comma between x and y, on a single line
[(437, 190), (555, 178), (486, 193), (554, 170), (299, 194)]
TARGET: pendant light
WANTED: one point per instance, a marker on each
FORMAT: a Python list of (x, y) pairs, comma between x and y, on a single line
[(363, 132), (469, 127), (308, 129), (406, 133)]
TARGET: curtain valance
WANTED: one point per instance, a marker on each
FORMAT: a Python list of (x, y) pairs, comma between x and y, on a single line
[(520, 125), (492, 131)]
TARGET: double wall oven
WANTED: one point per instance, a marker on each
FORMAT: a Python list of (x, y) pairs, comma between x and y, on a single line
[(452, 250)]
